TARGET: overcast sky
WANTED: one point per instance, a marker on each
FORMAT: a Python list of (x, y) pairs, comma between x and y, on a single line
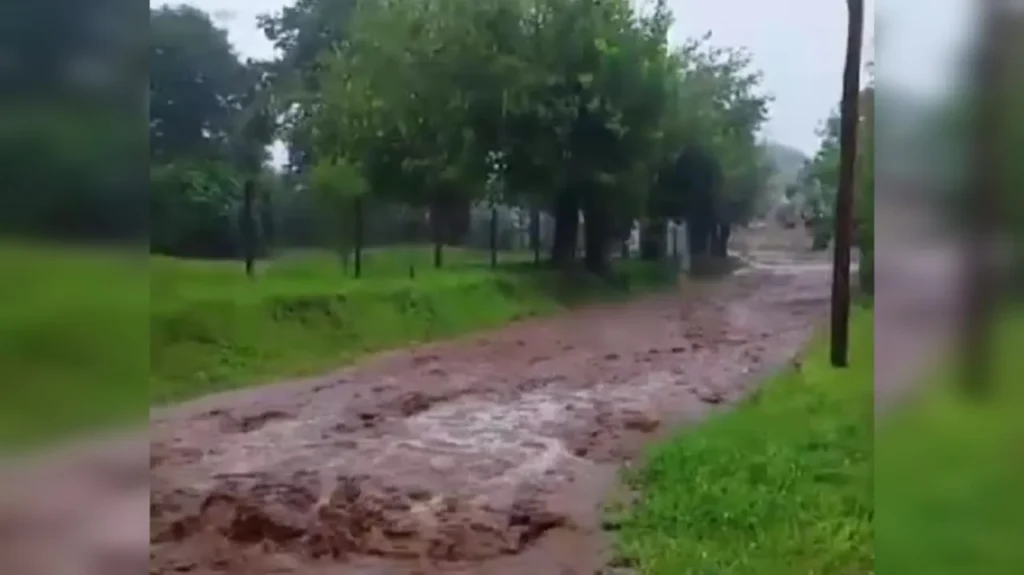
[(798, 44)]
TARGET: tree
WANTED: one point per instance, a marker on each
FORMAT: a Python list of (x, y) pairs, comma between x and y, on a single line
[(582, 104), (196, 85), (303, 33), (819, 179), (339, 188), (716, 170), (818, 183), (211, 119)]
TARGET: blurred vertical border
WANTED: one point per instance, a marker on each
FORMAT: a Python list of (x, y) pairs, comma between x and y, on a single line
[(949, 474), (74, 206)]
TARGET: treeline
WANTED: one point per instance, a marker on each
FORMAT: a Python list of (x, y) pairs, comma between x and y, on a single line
[(412, 111)]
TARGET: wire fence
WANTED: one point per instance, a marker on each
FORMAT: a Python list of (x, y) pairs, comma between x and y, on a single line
[(391, 239), (377, 238)]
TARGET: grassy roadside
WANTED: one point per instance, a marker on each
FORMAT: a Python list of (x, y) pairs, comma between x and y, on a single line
[(781, 485), (91, 338), (219, 337)]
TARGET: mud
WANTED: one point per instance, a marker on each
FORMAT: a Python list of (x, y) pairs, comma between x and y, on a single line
[(486, 455)]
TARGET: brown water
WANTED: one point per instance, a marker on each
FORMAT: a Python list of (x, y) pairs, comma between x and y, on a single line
[(490, 454)]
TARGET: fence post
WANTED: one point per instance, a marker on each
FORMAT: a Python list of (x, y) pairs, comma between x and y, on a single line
[(535, 233), (249, 226), (357, 239), (494, 235)]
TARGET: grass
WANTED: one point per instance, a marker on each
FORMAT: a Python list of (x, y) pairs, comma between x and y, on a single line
[(950, 473), (95, 338), (173, 276), (211, 330), (781, 485)]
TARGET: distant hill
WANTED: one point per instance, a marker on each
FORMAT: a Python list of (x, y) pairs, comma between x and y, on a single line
[(788, 162)]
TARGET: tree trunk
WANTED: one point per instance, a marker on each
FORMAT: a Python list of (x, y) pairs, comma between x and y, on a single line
[(597, 233), (698, 233), (720, 240), (653, 237), (849, 118), (567, 224), (437, 232), (457, 220)]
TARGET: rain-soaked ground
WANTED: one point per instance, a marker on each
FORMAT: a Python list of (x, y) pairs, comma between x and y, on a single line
[(486, 455)]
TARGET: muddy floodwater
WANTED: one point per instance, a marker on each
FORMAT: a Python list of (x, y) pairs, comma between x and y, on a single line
[(486, 455)]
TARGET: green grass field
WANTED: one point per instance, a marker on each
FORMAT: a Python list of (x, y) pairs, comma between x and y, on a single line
[(779, 486), (95, 338)]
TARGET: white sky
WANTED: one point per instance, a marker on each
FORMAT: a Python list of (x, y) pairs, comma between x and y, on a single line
[(798, 44)]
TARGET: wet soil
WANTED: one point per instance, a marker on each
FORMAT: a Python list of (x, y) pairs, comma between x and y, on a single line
[(487, 455)]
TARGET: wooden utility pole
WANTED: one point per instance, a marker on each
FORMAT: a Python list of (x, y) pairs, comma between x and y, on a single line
[(849, 120)]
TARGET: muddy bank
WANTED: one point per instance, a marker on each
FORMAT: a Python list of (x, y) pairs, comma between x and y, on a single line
[(485, 455)]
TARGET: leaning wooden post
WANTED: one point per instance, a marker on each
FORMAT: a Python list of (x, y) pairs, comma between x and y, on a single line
[(840, 324)]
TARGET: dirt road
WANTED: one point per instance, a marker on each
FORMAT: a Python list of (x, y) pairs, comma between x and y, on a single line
[(487, 455)]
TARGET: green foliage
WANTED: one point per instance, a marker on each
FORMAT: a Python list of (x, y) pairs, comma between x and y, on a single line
[(818, 184), (819, 181), (211, 118), (439, 103), (579, 96), (335, 186), (196, 81), (194, 209), (714, 172), (781, 485)]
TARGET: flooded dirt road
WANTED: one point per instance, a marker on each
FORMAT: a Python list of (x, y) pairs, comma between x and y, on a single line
[(487, 455)]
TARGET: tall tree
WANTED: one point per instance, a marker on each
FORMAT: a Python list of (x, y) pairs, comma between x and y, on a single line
[(211, 120), (303, 33), (581, 103), (196, 86)]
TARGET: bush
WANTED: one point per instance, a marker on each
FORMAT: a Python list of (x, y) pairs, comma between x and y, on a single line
[(194, 210)]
